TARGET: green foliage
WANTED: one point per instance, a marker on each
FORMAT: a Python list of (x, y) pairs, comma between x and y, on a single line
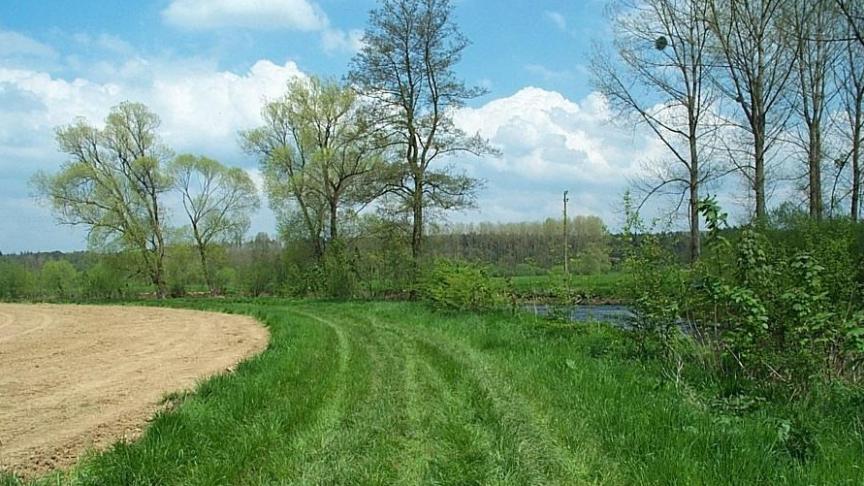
[(16, 282), (460, 286), (656, 284), (261, 270), (59, 279), (113, 184), (776, 303), (105, 280), (218, 202), (593, 260), (338, 267), (182, 269)]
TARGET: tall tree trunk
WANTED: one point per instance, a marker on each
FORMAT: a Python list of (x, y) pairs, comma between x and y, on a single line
[(695, 236), (159, 278), (814, 156), (205, 269), (334, 213), (202, 255), (856, 184), (417, 231), (695, 240), (856, 166), (759, 173)]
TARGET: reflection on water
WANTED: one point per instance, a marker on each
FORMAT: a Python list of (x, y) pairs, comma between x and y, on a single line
[(617, 315)]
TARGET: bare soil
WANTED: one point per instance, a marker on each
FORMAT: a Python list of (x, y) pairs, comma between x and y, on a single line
[(74, 378)]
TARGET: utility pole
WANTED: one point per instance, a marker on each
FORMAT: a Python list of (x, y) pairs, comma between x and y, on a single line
[(566, 246)]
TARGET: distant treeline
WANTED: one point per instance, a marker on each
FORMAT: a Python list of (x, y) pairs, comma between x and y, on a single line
[(374, 261)]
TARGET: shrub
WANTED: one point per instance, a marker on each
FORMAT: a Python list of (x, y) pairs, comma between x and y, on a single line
[(779, 304), (59, 279), (16, 282), (593, 260), (459, 286), (105, 281), (340, 276)]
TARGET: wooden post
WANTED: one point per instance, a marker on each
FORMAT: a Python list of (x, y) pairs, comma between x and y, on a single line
[(566, 246)]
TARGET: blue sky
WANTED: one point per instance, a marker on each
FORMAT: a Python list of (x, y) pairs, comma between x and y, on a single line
[(205, 66)]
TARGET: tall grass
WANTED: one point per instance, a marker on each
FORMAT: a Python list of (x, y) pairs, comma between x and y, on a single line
[(393, 393)]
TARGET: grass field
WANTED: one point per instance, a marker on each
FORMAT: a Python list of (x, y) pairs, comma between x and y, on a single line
[(392, 393), (605, 286)]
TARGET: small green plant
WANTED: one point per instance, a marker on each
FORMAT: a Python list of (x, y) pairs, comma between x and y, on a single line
[(460, 286)]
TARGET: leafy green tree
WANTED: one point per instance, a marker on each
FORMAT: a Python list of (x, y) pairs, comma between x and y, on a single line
[(407, 66), (217, 200), (105, 279), (260, 268), (113, 185), (319, 155)]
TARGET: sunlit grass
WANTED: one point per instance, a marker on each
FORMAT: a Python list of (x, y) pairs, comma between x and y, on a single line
[(393, 393)]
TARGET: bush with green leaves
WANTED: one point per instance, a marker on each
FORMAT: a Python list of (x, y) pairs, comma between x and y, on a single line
[(339, 270), (59, 280), (16, 282), (593, 260), (458, 285), (656, 284), (781, 303), (105, 280)]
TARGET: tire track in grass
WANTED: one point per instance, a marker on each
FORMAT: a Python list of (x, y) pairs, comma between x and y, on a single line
[(401, 451), (463, 445), (362, 429), (313, 442), (517, 425), (414, 450), (412, 434), (488, 430)]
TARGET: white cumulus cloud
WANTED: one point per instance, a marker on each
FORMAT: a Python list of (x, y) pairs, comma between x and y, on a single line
[(544, 136), (300, 15), (549, 144)]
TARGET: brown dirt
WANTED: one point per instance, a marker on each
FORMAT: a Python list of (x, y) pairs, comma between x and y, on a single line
[(79, 377)]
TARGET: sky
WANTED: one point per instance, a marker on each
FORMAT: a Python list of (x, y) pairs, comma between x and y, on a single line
[(207, 66)]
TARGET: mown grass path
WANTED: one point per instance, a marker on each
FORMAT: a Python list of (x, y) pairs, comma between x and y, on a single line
[(392, 393)]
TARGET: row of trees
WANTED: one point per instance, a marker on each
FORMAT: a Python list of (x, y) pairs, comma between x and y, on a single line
[(327, 150), (735, 86), (116, 184), (528, 248)]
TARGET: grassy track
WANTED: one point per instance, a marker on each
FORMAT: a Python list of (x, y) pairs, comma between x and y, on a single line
[(393, 393)]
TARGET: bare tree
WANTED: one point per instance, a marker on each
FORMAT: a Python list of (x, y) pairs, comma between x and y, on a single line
[(849, 80), (406, 67), (660, 76), (758, 64), (853, 12), (812, 30), (218, 202)]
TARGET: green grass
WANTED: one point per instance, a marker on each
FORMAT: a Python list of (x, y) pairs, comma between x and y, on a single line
[(393, 393), (608, 285)]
